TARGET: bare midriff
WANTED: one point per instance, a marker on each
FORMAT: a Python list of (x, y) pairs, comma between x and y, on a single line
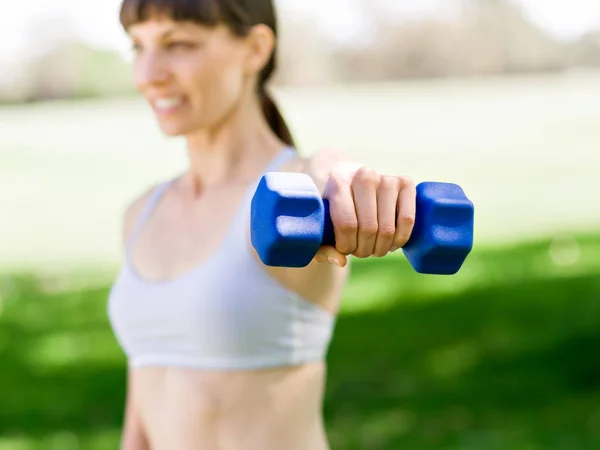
[(192, 409)]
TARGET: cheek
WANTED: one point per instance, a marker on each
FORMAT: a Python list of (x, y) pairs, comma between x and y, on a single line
[(217, 85), (139, 79)]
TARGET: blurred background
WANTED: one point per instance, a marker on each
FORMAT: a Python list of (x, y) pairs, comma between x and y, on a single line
[(499, 96)]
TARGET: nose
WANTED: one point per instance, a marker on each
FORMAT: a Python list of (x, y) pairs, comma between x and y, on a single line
[(150, 70)]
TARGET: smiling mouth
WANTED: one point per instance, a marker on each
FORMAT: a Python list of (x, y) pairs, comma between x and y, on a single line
[(167, 105)]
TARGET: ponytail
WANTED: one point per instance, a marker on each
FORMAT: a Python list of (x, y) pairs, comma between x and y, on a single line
[(275, 119)]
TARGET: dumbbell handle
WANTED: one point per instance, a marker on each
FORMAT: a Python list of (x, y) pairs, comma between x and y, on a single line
[(328, 233), (458, 239)]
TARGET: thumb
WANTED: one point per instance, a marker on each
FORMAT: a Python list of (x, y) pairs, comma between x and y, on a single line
[(329, 254)]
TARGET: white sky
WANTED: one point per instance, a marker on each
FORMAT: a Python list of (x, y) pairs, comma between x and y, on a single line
[(97, 21)]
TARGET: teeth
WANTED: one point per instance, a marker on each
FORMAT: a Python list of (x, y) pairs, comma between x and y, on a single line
[(166, 103)]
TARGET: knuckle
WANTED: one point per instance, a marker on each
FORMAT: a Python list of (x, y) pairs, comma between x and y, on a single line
[(380, 253), (348, 225), (361, 253), (345, 249), (388, 182), (367, 176), (406, 182), (400, 242), (369, 229), (338, 179), (387, 230), (335, 183), (407, 220), (401, 239)]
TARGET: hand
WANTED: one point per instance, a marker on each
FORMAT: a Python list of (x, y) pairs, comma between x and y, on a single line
[(372, 214)]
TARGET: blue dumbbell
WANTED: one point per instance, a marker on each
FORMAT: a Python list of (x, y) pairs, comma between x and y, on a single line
[(290, 221)]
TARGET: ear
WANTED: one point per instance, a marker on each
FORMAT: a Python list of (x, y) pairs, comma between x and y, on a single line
[(261, 44)]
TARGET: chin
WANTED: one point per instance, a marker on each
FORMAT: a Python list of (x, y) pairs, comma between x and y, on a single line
[(171, 132), (175, 129)]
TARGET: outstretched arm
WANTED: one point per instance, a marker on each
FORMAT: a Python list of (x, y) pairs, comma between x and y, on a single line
[(372, 215)]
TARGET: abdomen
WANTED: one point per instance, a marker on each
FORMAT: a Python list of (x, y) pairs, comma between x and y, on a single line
[(267, 409)]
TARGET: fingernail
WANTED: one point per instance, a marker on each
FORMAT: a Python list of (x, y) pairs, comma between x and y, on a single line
[(394, 248), (334, 261)]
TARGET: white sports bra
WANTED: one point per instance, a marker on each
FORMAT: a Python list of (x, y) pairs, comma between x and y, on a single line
[(226, 314)]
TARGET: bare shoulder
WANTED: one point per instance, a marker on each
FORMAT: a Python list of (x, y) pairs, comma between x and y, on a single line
[(320, 283), (133, 211), (318, 166)]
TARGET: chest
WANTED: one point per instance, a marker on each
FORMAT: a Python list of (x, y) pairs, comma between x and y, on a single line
[(181, 235), (217, 310)]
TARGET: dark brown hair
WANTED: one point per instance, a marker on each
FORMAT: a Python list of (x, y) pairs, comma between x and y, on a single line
[(239, 15)]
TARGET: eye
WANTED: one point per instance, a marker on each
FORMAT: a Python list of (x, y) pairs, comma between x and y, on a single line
[(184, 45), (136, 47)]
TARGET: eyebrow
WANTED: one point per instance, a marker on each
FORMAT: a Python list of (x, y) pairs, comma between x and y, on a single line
[(164, 34), (168, 33)]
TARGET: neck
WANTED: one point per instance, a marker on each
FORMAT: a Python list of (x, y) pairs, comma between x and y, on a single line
[(235, 149)]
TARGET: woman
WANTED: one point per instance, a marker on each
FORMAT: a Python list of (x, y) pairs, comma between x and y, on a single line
[(224, 352)]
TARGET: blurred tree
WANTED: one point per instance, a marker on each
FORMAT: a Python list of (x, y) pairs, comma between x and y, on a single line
[(304, 54), (458, 38), (505, 41), (480, 37), (56, 64), (76, 70), (586, 51)]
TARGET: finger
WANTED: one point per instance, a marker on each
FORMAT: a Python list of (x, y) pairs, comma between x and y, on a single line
[(320, 257), (328, 254), (387, 200), (407, 207), (364, 188), (343, 215)]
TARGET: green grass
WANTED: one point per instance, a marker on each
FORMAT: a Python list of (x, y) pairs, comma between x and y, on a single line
[(501, 356)]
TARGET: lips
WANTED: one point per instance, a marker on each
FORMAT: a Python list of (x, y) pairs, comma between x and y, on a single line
[(164, 105)]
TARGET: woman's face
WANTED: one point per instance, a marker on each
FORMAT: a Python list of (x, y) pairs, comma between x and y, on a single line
[(191, 75)]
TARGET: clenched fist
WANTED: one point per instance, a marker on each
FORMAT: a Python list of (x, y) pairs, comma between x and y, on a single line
[(372, 213)]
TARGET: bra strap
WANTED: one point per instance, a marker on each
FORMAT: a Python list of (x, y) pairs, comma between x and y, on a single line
[(149, 208)]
